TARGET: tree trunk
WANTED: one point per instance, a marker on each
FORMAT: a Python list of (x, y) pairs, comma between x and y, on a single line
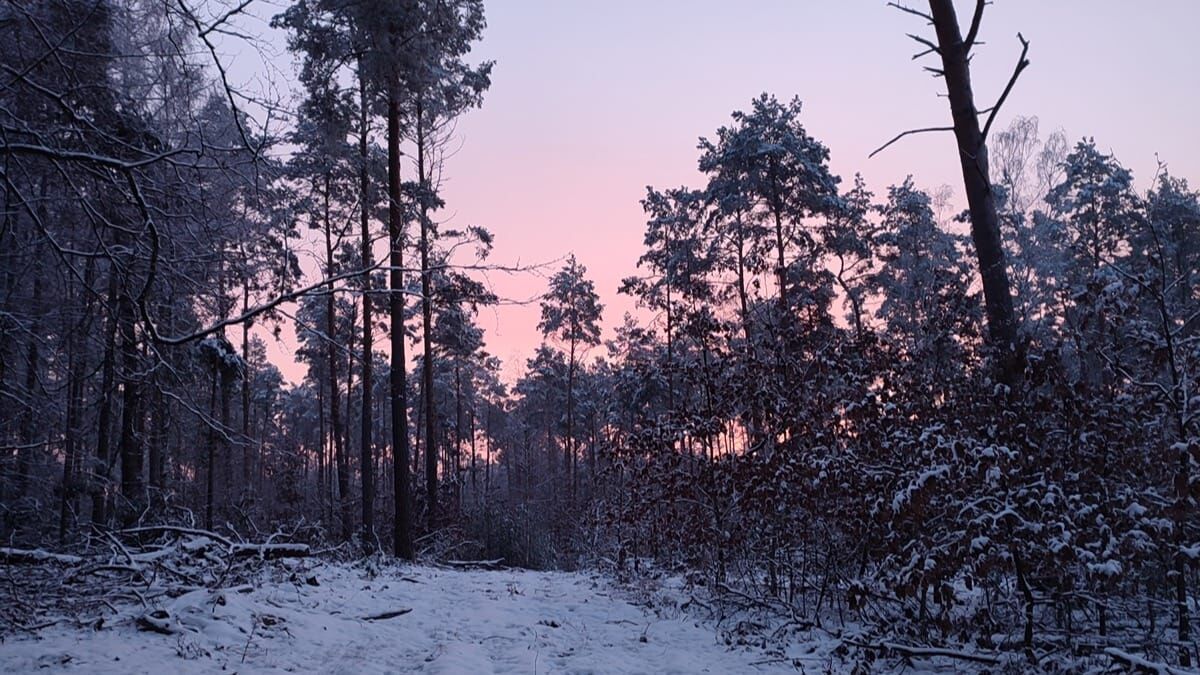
[(210, 468), (77, 369), (348, 436), (335, 396), (131, 446), (781, 261), (487, 437), (322, 452), (743, 300), (7, 330), (431, 468), (247, 454), (851, 297), (29, 416), (474, 454), (100, 472), (158, 438), (228, 376), (1027, 595), (985, 224), (162, 423), (456, 462), (569, 446), (367, 419), (70, 452), (402, 543)]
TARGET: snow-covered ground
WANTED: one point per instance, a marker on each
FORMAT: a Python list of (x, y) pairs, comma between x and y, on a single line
[(478, 621)]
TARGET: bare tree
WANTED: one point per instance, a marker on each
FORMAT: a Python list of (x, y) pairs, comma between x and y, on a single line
[(955, 53)]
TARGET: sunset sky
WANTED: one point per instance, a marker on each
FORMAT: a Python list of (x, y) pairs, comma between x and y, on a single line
[(592, 101)]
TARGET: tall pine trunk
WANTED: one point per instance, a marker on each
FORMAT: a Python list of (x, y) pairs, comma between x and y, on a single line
[(455, 459), (211, 450), (227, 375), (29, 416), (323, 491), (161, 424), (77, 373), (431, 446), (367, 419), (569, 446), (402, 534), (335, 396), (131, 411), (100, 472), (247, 453)]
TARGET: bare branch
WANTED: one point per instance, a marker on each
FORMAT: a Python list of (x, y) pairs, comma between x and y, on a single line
[(907, 133), (216, 25), (202, 34), (249, 314), (87, 157), (932, 48), (975, 21), (1022, 63), (910, 10)]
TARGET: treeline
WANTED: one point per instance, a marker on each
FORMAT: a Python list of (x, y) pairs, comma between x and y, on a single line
[(814, 416), (155, 228), (139, 210)]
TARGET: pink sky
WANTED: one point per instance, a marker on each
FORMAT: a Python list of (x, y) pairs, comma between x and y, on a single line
[(592, 101)]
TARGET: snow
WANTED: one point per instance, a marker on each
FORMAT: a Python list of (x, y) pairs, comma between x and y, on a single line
[(476, 621), (1135, 510), (1107, 568), (901, 498)]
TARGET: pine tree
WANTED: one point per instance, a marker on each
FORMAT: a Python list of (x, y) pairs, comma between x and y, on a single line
[(571, 312)]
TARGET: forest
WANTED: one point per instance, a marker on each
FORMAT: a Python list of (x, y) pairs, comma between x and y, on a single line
[(968, 430)]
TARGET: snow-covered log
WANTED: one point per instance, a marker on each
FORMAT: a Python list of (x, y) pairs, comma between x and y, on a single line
[(1140, 665), (17, 556), (202, 539), (928, 652), (271, 551), (476, 564), (173, 529)]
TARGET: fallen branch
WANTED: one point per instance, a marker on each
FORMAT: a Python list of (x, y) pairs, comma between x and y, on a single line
[(927, 652), (121, 547), (18, 556), (388, 615), (270, 551), (35, 627), (158, 621), (476, 564), (1141, 665), (238, 550), (135, 572), (173, 529)]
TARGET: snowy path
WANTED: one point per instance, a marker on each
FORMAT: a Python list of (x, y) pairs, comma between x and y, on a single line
[(474, 622)]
